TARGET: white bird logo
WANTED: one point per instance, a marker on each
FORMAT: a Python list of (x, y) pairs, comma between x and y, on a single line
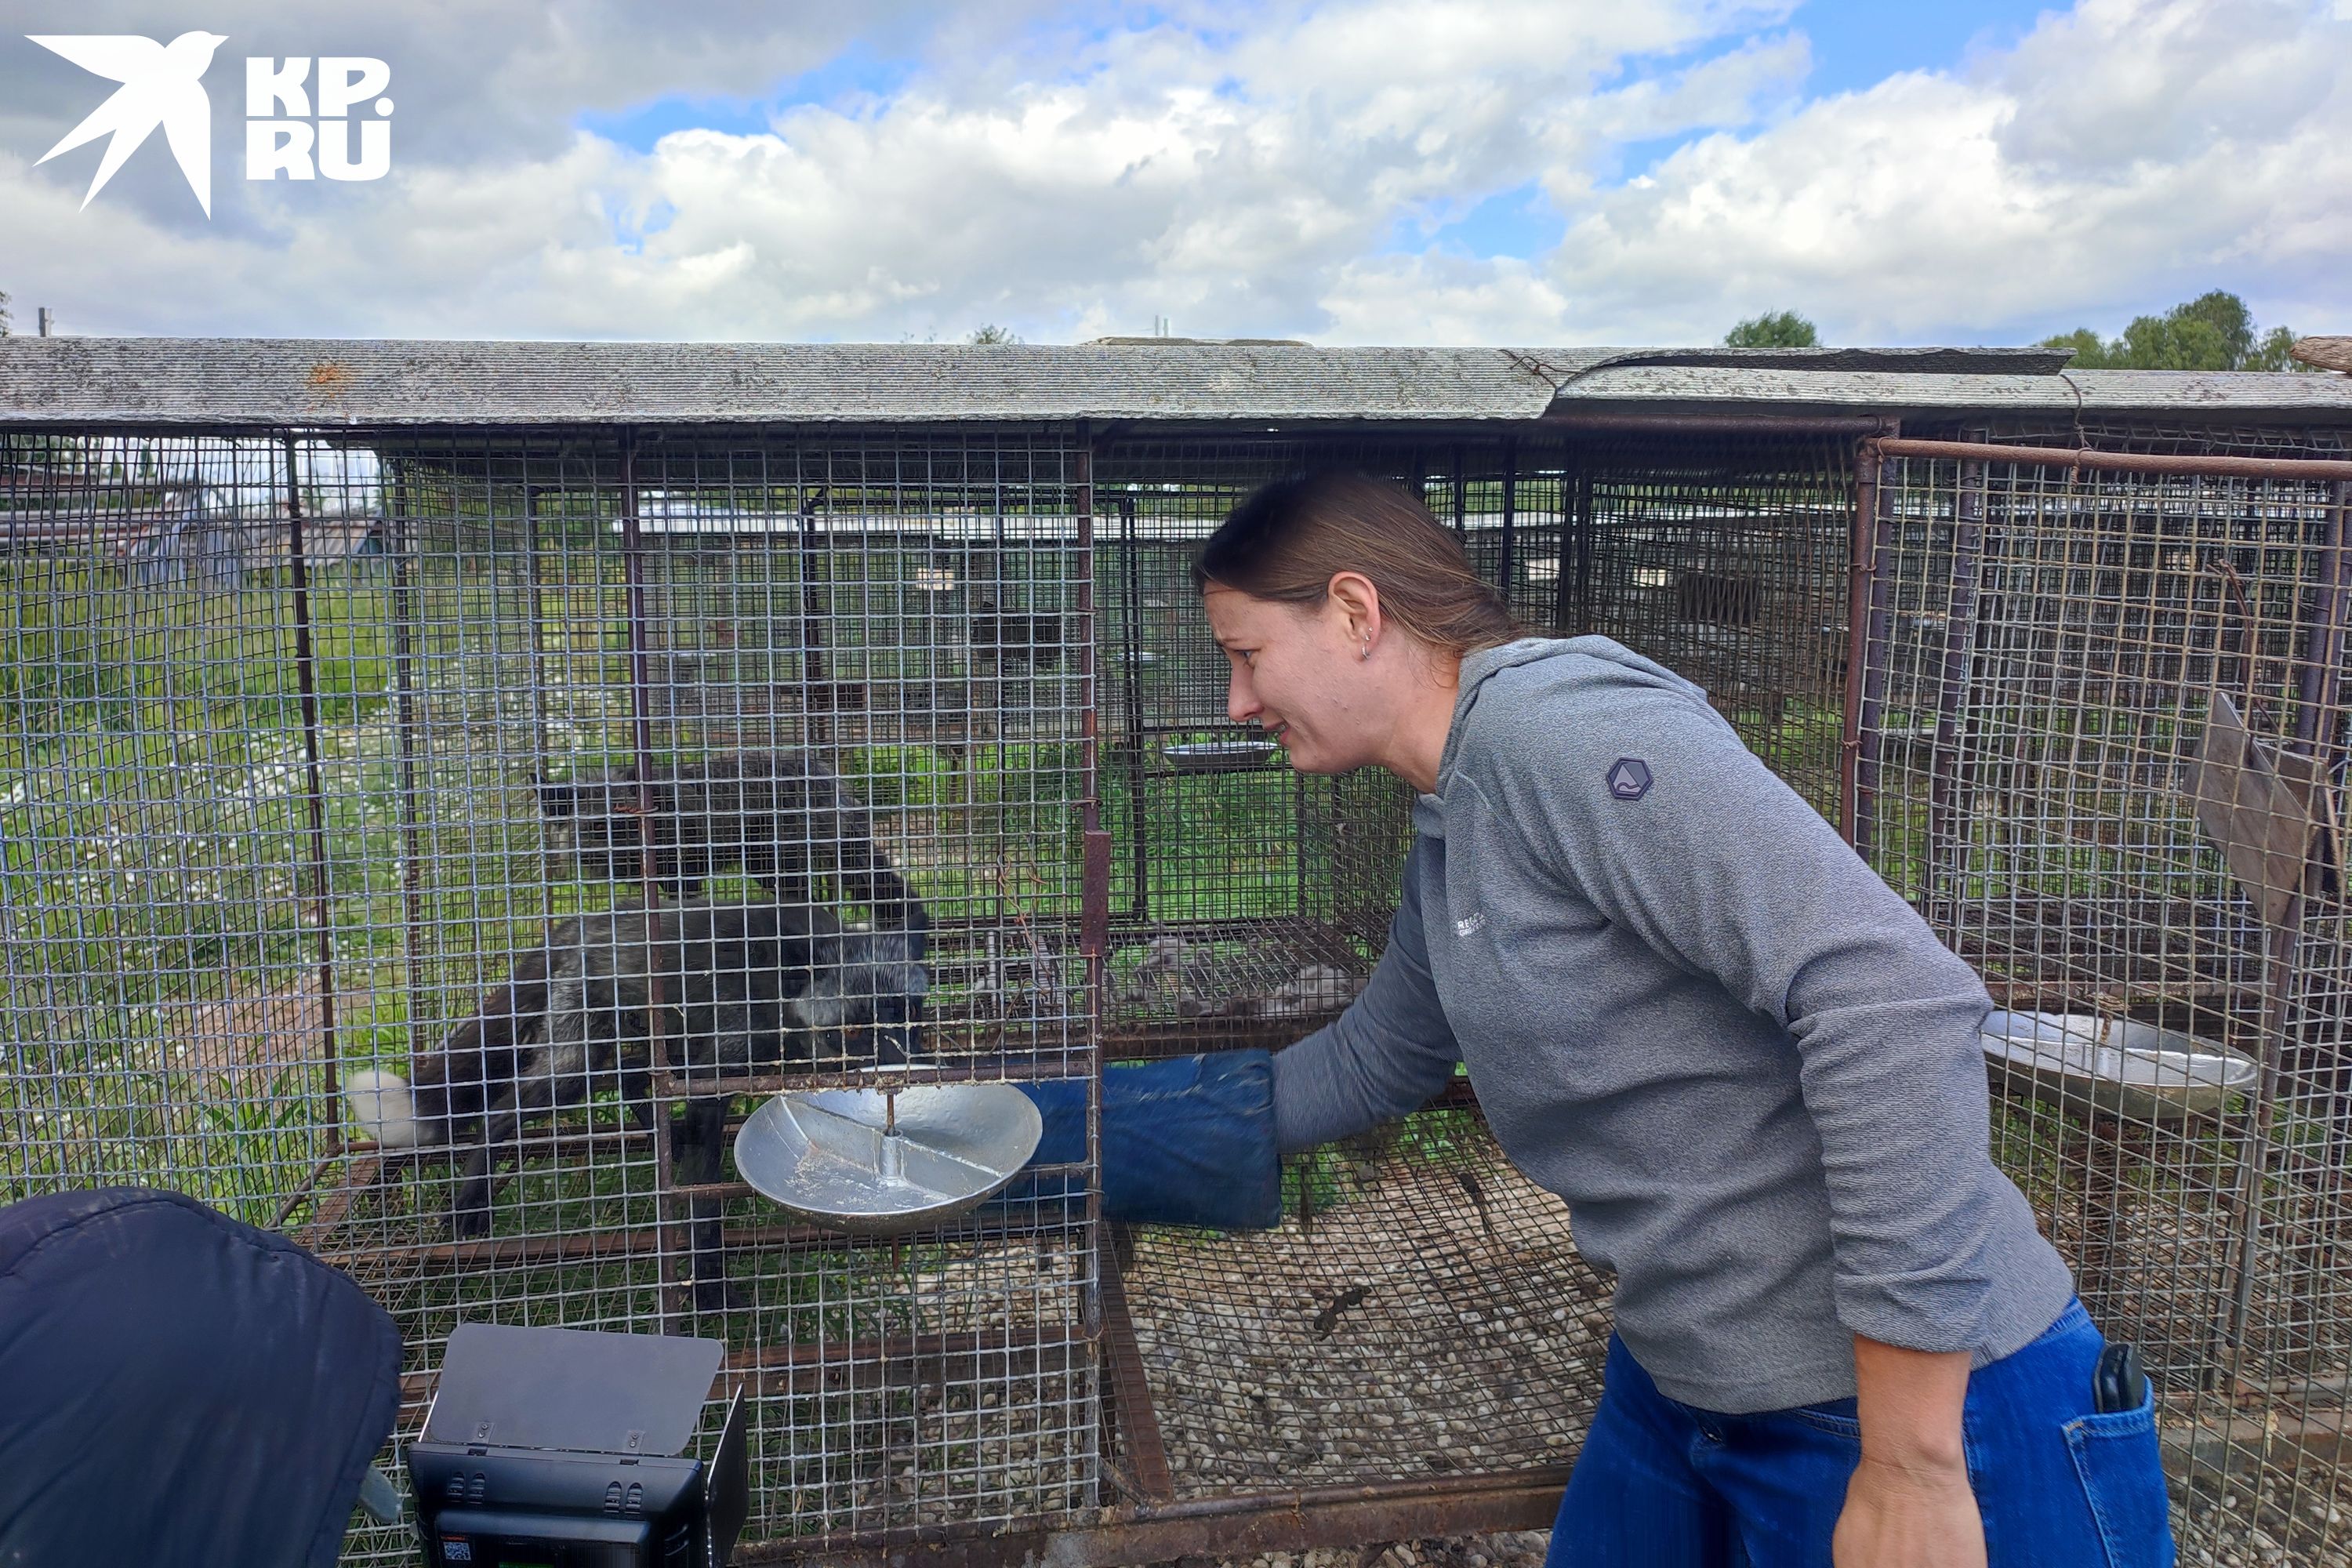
[(163, 84)]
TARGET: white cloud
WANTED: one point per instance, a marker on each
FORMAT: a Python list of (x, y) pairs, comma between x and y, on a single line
[(1268, 172), (2121, 156)]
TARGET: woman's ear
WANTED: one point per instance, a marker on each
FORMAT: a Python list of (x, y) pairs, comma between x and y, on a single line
[(1353, 592)]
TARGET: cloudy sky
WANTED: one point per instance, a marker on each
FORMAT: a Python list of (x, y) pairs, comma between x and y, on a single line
[(1344, 171)]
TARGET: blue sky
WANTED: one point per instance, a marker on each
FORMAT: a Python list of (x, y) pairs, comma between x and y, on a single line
[(1343, 171), (1857, 43), (859, 71)]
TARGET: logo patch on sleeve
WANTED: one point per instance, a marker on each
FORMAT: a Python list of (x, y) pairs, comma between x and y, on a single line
[(1629, 778)]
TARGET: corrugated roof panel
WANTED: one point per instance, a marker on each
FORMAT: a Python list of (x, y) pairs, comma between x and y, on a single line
[(324, 382), (1775, 389), (379, 383)]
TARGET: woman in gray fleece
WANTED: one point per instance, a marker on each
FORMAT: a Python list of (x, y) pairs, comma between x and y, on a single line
[(1750, 1068)]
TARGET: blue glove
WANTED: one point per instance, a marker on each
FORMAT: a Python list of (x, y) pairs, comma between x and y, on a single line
[(1188, 1141)]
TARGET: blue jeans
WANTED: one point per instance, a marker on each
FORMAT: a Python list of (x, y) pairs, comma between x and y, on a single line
[(1664, 1485)]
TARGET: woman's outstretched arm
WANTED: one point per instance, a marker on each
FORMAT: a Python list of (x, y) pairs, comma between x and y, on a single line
[(1385, 1056)]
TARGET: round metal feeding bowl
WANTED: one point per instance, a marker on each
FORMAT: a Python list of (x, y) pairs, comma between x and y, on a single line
[(879, 1163), (2079, 1061), (1219, 756)]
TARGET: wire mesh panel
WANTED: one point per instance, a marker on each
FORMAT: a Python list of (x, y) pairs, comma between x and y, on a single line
[(2210, 434), (2102, 746), (1723, 558), (171, 714), (434, 870), (1420, 1318), (430, 843), (1420, 1314), (1250, 901)]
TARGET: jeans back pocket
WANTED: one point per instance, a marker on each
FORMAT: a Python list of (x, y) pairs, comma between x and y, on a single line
[(2121, 1467)]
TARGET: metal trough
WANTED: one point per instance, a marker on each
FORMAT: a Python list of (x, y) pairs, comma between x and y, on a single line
[(1219, 756), (2082, 1062)]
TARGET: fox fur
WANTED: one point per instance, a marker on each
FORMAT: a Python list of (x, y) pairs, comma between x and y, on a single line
[(783, 817), (745, 988)]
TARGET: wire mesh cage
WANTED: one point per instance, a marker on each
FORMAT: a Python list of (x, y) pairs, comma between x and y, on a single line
[(2101, 746), (592, 784), (354, 778)]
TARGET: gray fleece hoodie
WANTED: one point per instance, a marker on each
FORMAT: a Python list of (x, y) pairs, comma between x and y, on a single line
[(1691, 1011)]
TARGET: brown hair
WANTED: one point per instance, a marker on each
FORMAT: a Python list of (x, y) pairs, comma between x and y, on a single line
[(1290, 538)]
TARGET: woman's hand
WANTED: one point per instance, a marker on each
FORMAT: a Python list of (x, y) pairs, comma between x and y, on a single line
[(1910, 1504), (1896, 1517)]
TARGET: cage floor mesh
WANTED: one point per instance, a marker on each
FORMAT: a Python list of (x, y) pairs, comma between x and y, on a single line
[(1422, 1313)]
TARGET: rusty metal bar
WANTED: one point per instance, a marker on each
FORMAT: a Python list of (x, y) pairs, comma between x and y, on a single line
[(1510, 512), (626, 1241), (642, 729), (1721, 424), (1239, 1526), (314, 791), (718, 1189), (1138, 1421), (1944, 809), (2324, 639), (360, 1174), (1876, 654), (1570, 579), (818, 714), (1132, 683), (1860, 592), (309, 1183), (548, 1143), (992, 1068), (1095, 919), (2255, 1151), (836, 1359), (2093, 996), (2321, 697), (913, 1351), (2189, 464), (404, 724), (1460, 493), (578, 1247), (531, 575)]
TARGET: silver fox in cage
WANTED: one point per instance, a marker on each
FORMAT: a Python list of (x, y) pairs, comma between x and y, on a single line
[(744, 987), (783, 817)]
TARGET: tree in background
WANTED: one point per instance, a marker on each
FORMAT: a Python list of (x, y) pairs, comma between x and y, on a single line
[(1780, 330), (992, 333), (4, 312), (2212, 331)]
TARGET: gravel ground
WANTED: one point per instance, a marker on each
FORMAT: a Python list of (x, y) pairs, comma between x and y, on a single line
[(1429, 1318), (1427, 1325), (2286, 1517), (1511, 1549)]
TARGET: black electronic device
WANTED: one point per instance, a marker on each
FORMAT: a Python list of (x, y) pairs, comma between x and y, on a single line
[(562, 1448), (2118, 1383)]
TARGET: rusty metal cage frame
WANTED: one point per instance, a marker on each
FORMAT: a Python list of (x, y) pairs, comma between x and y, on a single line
[(1728, 548), (2060, 642)]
